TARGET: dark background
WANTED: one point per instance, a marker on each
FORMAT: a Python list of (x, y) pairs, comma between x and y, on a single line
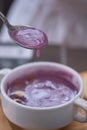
[(4, 6)]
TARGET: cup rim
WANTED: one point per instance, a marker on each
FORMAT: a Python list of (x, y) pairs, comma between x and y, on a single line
[(3, 93)]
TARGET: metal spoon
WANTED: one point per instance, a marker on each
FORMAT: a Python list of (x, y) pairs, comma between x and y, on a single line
[(27, 37)]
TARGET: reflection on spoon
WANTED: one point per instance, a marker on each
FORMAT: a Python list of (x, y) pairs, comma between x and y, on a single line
[(27, 37)]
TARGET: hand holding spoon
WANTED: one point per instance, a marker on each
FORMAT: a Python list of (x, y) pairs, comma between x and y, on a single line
[(27, 37)]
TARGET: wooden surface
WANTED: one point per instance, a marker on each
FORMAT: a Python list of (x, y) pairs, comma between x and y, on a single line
[(6, 125)]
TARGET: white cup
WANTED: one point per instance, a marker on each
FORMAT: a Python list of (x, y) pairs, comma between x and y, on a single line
[(45, 118)]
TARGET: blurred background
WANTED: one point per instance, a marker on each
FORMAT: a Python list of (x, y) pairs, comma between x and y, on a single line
[(64, 22)]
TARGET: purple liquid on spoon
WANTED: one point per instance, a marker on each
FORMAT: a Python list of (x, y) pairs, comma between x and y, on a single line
[(30, 38)]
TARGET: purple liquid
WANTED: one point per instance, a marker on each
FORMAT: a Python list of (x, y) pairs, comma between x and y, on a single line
[(42, 90), (30, 38)]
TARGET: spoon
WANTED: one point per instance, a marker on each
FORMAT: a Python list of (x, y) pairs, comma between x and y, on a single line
[(27, 37)]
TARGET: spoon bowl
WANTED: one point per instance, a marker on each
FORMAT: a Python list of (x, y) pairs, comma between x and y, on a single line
[(27, 37)]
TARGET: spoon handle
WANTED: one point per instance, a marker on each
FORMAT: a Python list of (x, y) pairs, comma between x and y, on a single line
[(5, 21)]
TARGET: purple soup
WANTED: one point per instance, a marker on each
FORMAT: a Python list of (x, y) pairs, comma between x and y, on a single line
[(30, 38), (41, 90)]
